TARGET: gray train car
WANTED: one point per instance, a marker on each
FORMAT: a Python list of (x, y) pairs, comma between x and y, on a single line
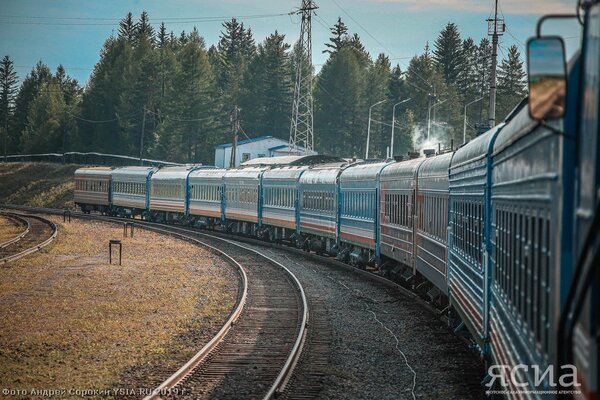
[(242, 199), (528, 264), (205, 204), (280, 201), (359, 213), (92, 189), (169, 193), (131, 190), (398, 210), (318, 205), (468, 260), (431, 239)]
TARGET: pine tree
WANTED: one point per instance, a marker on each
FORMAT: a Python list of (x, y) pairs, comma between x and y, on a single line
[(339, 32), (340, 119), (128, 29), (447, 53), (29, 90), (511, 82), (144, 29), (266, 101), (8, 90), (163, 38), (484, 62)]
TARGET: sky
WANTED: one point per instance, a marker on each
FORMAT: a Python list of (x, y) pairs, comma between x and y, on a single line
[(72, 32)]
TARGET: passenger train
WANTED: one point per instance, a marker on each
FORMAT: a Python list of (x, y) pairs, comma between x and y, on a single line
[(486, 232)]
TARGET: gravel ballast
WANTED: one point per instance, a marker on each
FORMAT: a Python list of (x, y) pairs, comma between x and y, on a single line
[(384, 345)]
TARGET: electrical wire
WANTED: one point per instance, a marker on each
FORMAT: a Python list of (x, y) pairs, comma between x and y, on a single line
[(376, 40)]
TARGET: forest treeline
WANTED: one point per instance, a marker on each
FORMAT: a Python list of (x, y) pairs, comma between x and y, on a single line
[(180, 93)]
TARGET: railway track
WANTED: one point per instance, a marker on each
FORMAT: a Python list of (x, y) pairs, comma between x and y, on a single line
[(38, 233), (255, 353)]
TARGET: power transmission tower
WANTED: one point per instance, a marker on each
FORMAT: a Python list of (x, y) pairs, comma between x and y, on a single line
[(235, 129), (301, 130), (495, 29)]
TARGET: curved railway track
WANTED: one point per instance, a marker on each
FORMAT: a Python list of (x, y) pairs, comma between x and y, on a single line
[(255, 352), (39, 232)]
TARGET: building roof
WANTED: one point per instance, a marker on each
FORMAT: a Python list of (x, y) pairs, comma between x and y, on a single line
[(241, 142)]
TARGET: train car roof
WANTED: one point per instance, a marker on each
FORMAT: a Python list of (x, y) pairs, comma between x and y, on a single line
[(178, 172), (93, 171), (284, 173), (475, 149), (363, 171), (132, 171), (320, 175), (520, 125), (402, 168), (436, 165), (248, 172), (211, 173), (291, 160)]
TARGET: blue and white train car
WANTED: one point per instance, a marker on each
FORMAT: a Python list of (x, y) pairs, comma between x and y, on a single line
[(280, 201), (242, 199), (169, 193), (468, 263), (397, 215), (528, 193), (131, 190), (318, 206), (359, 213), (206, 196), (431, 238)]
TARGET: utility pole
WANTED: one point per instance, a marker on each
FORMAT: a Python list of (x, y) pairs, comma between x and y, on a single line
[(301, 129), (235, 129), (142, 135), (495, 29)]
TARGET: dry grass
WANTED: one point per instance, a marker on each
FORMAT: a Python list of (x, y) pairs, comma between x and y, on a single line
[(68, 319), (9, 229), (37, 184)]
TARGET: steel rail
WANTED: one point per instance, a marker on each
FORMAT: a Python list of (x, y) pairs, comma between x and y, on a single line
[(288, 368), (201, 355), (19, 236), (38, 246)]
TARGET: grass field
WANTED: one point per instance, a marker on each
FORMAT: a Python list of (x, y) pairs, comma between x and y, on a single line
[(37, 184), (68, 319), (9, 229)]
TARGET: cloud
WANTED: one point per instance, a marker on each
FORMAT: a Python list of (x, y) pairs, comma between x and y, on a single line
[(508, 6)]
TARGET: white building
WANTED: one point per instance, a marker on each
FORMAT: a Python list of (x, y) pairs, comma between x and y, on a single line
[(262, 146)]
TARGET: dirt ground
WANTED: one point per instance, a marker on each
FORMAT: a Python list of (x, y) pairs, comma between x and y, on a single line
[(8, 229), (68, 319)]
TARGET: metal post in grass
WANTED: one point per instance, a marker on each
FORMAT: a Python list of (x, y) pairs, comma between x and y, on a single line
[(110, 251), (66, 214), (130, 226)]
